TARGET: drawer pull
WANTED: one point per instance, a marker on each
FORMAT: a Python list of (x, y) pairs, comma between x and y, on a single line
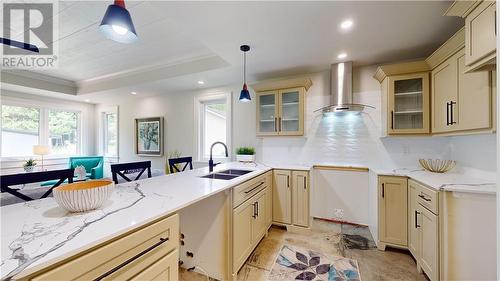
[(257, 186), (118, 267), (423, 197)]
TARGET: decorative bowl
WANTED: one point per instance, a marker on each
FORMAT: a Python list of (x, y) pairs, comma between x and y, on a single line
[(437, 165), (83, 196)]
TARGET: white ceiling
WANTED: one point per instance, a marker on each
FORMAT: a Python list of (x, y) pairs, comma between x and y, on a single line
[(287, 38)]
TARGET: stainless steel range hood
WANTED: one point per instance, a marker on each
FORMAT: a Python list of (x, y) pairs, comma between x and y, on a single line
[(341, 90)]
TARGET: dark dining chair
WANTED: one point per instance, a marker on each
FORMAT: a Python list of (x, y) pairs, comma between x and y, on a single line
[(124, 169), (58, 176), (173, 162)]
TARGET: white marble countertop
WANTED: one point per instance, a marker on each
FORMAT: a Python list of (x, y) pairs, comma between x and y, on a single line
[(39, 233), (446, 181)]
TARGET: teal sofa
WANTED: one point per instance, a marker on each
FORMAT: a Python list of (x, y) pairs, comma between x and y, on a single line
[(94, 166)]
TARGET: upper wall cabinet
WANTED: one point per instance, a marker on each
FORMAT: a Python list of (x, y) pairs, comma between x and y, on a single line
[(461, 102), (405, 98), (480, 32), (280, 107)]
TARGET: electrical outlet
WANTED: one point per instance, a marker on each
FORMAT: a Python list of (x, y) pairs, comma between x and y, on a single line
[(338, 214)]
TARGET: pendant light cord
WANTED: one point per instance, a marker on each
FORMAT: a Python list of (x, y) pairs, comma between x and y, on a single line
[(244, 67)]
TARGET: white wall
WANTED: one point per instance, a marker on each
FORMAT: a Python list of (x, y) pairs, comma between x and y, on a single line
[(346, 140)]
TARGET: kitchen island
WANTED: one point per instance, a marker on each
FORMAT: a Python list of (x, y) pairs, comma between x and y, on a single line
[(38, 234)]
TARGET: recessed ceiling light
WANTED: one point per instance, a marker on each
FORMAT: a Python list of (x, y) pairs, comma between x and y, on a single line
[(87, 100), (342, 56), (133, 93), (346, 24), (201, 82)]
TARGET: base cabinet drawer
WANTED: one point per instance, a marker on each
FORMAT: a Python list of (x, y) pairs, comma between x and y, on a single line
[(122, 258), (165, 269)]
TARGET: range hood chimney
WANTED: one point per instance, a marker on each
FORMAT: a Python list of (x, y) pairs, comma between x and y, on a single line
[(341, 90)]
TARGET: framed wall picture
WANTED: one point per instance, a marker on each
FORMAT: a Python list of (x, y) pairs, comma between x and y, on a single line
[(149, 136)]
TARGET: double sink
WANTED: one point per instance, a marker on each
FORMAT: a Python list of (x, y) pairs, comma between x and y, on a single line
[(226, 174)]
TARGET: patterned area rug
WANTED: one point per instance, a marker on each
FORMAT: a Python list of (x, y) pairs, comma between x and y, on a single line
[(294, 263)]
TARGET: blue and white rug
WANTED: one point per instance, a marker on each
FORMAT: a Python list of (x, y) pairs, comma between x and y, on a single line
[(294, 263)]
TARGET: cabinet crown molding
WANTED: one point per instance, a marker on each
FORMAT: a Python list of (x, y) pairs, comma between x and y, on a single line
[(450, 47), (461, 8), (282, 84), (400, 68)]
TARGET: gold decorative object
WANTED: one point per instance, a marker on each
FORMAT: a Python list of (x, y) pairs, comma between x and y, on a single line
[(437, 165)]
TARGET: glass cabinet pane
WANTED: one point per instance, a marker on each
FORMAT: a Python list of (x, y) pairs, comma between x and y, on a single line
[(408, 104), (290, 111), (267, 113)]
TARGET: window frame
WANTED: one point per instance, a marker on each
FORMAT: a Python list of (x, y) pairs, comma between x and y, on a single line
[(43, 126), (200, 102), (104, 133)]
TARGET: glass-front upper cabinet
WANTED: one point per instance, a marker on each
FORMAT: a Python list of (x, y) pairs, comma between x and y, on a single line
[(281, 112), (267, 113), (408, 104), (291, 114)]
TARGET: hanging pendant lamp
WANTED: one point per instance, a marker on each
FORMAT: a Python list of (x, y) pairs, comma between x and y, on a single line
[(117, 24), (245, 94)]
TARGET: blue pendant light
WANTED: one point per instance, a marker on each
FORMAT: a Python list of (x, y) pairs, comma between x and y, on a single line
[(245, 94), (117, 24)]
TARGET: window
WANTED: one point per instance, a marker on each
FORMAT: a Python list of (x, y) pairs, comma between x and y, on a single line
[(214, 125), (110, 134), (63, 132), (26, 126), (20, 130)]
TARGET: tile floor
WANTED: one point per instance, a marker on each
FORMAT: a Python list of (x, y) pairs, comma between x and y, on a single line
[(332, 239)]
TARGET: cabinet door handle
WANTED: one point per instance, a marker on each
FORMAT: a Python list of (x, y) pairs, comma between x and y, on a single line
[(257, 208), (423, 197), (288, 181), (305, 185), (392, 120), (254, 215), (451, 113), (118, 267), (495, 19), (280, 123), (275, 124), (416, 219), (383, 190), (447, 114)]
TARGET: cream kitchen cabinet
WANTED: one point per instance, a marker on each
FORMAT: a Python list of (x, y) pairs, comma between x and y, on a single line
[(291, 198), (280, 106), (281, 112), (282, 196), (480, 32), (423, 235), (149, 253), (392, 211), (300, 198), (405, 98), (460, 101), (428, 237), (413, 244), (251, 217)]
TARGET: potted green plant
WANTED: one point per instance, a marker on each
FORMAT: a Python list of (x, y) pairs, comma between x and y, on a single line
[(245, 154), (29, 165)]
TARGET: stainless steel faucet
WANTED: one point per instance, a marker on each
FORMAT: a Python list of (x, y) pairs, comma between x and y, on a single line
[(211, 164)]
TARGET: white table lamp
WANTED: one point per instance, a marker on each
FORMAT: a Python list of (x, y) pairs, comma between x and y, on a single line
[(41, 150)]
